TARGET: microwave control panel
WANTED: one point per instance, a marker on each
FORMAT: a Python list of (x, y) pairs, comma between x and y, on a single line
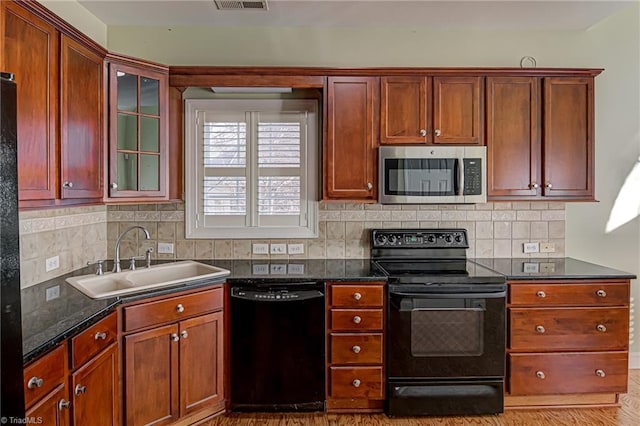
[(472, 176)]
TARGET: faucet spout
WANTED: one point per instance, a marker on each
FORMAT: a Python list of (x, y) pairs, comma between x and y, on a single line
[(116, 258)]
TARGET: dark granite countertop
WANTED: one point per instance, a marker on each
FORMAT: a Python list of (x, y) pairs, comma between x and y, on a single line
[(551, 269), (47, 323)]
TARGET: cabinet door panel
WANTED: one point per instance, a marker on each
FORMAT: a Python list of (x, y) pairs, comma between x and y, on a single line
[(94, 386), (456, 110), (405, 110), (80, 121), (151, 376), (49, 411), (568, 137), (513, 136), (30, 52), (201, 362), (350, 143)]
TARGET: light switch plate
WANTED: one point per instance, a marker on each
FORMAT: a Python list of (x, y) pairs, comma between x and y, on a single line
[(52, 263), (296, 248), (296, 268), (531, 267), (260, 248), (261, 269), (531, 247), (547, 248), (165, 248), (52, 293)]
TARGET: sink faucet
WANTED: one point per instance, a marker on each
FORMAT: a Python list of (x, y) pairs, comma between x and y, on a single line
[(116, 259)]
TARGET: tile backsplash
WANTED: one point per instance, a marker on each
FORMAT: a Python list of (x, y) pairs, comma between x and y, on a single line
[(82, 234)]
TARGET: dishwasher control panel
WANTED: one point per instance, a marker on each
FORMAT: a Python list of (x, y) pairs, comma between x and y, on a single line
[(274, 295)]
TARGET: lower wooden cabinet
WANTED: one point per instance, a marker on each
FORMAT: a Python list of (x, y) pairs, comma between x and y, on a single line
[(174, 369), (53, 409)]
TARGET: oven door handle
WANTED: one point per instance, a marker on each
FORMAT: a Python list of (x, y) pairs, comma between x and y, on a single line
[(495, 295)]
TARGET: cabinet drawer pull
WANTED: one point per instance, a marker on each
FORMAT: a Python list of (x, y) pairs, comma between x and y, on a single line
[(80, 390), (67, 185), (534, 185), (35, 382), (184, 334), (63, 404), (175, 337), (423, 132), (541, 294), (179, 308), (100, 336), (548, 185), (369, 186), (356, 349), (600, 373), (357, 296), (357, 320), (437, 132), (356, 383), (540, 374), (601, 293), (601, 327), (540, 329)]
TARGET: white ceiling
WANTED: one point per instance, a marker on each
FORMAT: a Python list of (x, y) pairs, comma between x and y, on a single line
[(452, 14)]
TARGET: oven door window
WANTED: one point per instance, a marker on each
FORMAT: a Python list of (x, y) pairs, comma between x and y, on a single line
[(421, 176), (453, 330)]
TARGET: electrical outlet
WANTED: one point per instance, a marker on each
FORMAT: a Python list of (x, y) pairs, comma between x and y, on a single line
[(547, 248), (296, 248), (259, 248), (531, 267), (531, 247), (278, 249), (52, 263), (165, 248), (52, 293), (547, 267), (277, 268)]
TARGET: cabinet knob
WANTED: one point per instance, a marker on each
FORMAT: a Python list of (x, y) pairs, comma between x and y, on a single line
[(356, 383), (100, 336), (540, 374), (548, 185), (179, 308), (80, 390), (67, 185), (63, 403), (541, 294), (356, 349), (357, 319), (540, 329), (175, 337), (534, 185), (437, 132), (423, 132), (600, 373), (184, 334), (357, 296), (369, 186), (35, 382), (601, 293), (114, 185), (601, 327)]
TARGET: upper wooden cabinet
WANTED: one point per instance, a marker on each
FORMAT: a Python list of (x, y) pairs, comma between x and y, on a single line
[(431, 110), (138, 131), (350, 142), (60, 121), (529, 158)]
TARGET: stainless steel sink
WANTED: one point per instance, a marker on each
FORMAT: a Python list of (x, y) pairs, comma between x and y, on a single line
[(127, 282)]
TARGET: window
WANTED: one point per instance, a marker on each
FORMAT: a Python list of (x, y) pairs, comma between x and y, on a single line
[(251, 168)]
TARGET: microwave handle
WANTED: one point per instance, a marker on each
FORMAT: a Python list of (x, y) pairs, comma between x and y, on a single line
[(460, 172)]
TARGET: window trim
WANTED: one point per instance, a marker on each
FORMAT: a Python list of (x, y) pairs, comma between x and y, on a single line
[(194, 228)]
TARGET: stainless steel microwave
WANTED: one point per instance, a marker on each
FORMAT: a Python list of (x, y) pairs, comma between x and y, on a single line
[(432, 174)]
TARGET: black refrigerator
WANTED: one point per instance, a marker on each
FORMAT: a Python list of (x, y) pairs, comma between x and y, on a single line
[(12, 394)]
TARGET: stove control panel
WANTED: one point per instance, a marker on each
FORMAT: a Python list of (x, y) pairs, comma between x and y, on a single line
[(419, 238)]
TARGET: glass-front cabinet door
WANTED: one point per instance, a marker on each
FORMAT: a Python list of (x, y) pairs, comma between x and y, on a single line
[(138, 133)]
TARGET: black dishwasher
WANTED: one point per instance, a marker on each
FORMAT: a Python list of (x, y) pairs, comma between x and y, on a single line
[(278, 346)]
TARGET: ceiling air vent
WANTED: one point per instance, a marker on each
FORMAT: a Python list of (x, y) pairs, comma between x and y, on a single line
[(236, 5)]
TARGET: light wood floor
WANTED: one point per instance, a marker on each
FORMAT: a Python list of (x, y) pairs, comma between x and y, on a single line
[(626, 415)]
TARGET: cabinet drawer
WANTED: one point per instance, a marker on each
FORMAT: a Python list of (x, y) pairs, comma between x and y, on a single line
[(356, 319), (550, 329), (93, 340), (568, 373), (171, 309), (356, 382), (42, 376), (356, 348), (596, 293), (357, 295)]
